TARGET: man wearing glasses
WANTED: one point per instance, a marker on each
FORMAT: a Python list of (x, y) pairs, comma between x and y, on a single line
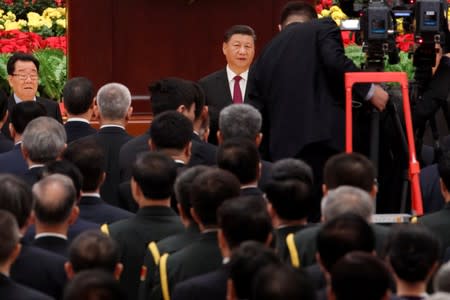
[(23, 78)]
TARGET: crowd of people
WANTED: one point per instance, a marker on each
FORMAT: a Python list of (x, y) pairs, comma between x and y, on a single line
[(270, 208)]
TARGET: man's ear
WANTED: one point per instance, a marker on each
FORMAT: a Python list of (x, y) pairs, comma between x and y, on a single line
[(129, 113), (258, 139), (118, 271), (69, 270), (135, 190), (219, 137), (188, 150), (74, 214), (324, 189)]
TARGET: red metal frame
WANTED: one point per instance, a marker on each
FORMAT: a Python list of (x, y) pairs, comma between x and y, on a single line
[(414, 168)]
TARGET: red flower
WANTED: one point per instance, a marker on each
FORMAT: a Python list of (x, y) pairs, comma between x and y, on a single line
[(8, 2), (57, 42), (15, 40), (405, 42), (319, 8), (348, 37)]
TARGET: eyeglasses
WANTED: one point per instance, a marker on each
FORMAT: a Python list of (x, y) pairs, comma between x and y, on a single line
[(25, 76)]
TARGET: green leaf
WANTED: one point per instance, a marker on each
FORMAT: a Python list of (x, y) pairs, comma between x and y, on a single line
[(52, 72)]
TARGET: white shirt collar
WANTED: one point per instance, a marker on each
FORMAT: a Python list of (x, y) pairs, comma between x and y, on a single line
[(112, 125), (90, 195), (45, 234), (231, 74), (35, 166), (78, 120), (18, 100)]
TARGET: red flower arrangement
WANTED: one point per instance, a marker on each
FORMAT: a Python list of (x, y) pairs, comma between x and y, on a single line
[(15, 40)]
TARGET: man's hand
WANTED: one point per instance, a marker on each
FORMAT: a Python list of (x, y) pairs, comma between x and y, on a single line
[(380, 98)]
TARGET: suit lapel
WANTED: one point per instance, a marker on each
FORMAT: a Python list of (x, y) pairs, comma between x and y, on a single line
[(223, 85)]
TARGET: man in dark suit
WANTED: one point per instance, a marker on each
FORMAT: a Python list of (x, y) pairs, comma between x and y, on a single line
[(36, 268), (244, 121), (23, 78), (240, 157), (114, 110), (55, 210), (13, 162), (5, 143), (230, 85), (152, 182), (209, 190), (10, 249), (236, 226), (88, 156), (43, 140), (167, 95), (78, 98), (171, 244)]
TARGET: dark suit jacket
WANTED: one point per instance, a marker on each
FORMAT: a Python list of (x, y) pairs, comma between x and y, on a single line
[(298, 85), (51, 107), (211, 285), (95, 210), (280, 238), (111, 139), (6, 144), (33, 175), (9, 290), (251, 191), (78, 129), (41, 270), (53, 244), (75, 229), (200, 257), (217, 96), (431, 191), (150, 224), (13, 162), (439, 223)]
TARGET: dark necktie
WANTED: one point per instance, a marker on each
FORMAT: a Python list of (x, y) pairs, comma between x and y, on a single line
[(237, 94)]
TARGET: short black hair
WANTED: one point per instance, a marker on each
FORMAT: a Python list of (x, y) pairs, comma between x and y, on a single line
[(67, 168), (11, 64), (239, 29), (245, 262), (88, 156), (24, 112), (341, 235), (171, 130), (93, 285), (54, 208), (351, 169), (412, 251), (240, 156), (183, 187), (78, 95), (282, 282), (359, 275), (297, 8), (291, 199), (444, 168), (9, 235), (209, 190), (169, 93), (93, 249), (16, 198), (3, 104), (155, 174), (292, 168), (238, 225)]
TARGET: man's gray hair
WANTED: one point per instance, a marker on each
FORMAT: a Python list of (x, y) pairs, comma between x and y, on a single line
[(347, 199), (441, 281), (113, 100), (44, 138), (439, 296), (240, 121)]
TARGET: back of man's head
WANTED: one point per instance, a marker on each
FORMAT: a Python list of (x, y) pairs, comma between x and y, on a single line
[(245, 262), (78, 95), (114, 101), (66, 168), (209, 190), (171, 130), (44, 139), (290, 198), (349, 169), (155, 175), (413, 252), (238, 225), (360, 275), (444, 169), (282, 282), (55, 197), (94, 250), (183, 187), (240, 121), (342, 235), (88, 156), (3, 104), (16, 197), (441, 282), (171, 93), (297, 11), (9, 236), (24, 112), (240, 156), (347, 199), (93, 285), (291, 168)]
